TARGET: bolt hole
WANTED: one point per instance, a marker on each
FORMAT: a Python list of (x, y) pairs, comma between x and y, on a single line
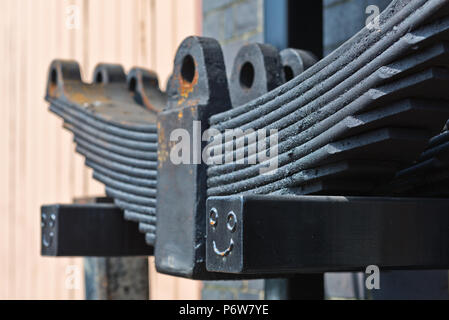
[(188, 69), (213, 217), (54, 76), (247, 75), (99, 78), (231, 221), (132, 84), (288, 72)]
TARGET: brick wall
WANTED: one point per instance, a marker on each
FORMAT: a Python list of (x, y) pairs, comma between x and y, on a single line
[(233, 23)]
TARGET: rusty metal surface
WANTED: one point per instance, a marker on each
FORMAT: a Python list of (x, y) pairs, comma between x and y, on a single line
[(347, 125), (315, 234), (342, 109), (257, 70), (113, 122), (198, 80), (89, 230), (428, 177), (296, 61), (199, 89)]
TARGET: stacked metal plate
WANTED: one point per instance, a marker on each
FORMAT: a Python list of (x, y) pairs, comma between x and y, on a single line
[(349, 123), (113, 122), (429, 176)]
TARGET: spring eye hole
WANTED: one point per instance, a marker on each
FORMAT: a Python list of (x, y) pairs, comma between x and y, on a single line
[(54, 76), (288, 72), (132, 84), (247, 76), (188, 69), (99, 78)]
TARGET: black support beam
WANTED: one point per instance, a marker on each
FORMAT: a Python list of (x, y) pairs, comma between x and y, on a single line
[(308, 234), (90, 230)]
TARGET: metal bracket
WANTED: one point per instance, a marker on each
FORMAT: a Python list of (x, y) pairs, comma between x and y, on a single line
[(89, 230), (199, 88), (314, 234), (257, 70)]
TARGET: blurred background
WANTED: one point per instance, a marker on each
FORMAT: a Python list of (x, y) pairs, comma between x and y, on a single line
[(38, 163)]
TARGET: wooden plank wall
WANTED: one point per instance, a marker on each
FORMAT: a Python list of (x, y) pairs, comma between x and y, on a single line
[(38, 164)]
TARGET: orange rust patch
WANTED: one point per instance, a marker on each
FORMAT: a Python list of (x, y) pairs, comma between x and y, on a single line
[(79, 98), (52, 90), (193, 103), (162, 152), (186, 87), (148, 104), (85, 93)]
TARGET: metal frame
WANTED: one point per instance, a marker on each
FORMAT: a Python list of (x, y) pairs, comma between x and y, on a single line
[(262, 235), (84, 230)]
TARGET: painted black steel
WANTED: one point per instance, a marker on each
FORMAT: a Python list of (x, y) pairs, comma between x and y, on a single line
[(200, 89), (314, 234), (257, 70), (373, 72), (295, 62), (96, 230), (113, 122), (357, 122)]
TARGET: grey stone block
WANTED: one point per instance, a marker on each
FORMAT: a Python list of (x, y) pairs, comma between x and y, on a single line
[(209, 5), (343, 19), (246, 16), (213, 25), (228, 23)]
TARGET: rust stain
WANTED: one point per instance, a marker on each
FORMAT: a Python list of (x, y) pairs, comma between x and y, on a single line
[(85, 94), (193, 103), (148, 104), (162, 152), (79, 98), (52, 90), (186, 87)]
